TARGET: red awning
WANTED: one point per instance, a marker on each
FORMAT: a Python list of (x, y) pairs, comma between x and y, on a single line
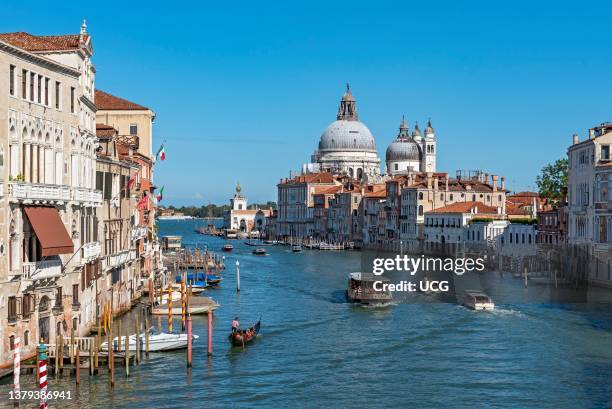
[(50, 230)]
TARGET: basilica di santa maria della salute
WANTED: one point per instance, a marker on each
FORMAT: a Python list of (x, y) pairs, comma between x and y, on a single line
[(348, 147)]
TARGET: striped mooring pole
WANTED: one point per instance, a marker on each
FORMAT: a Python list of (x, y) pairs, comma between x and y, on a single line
[(16, 365), (42, 368)]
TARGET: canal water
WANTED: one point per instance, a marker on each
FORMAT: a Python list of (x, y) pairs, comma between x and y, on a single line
[(317, 351)]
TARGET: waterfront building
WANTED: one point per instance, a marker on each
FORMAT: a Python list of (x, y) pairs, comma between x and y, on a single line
[(262, 221), (412, 153), (134, 125), (347, 146), (371, 210), (552, 226), (119, 264), (482, 233), (424, 192), (583, 158), (48, 238), (239, 217), (296, 203), (517, 240), (322, 198), (447, 224), (343, 218)]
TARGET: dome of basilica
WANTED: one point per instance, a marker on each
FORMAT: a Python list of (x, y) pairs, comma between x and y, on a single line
[(344, 135), (403, 150)]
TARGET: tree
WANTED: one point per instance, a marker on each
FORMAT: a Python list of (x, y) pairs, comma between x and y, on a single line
[(552, 181)]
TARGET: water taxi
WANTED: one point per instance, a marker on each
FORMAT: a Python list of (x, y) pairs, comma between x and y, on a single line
[(478, 301), (361, 289), (227, 247), (296, 248), (260, 251)]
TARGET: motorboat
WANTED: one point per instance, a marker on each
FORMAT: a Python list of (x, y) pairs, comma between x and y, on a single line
[(176, 310), (296, 248), (478, 301), (260, 251), (361, 289), (227, 247), (157, 342)]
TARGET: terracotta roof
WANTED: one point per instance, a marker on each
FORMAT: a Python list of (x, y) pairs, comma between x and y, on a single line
[(31, 42), (516, 209), (322, 177), (525, 194), (326, 190), (380, 194), (466, 207), (105, 131), (107, 101)]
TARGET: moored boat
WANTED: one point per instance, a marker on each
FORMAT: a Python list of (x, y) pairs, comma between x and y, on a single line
[(157, 342), (477, 301), (241, 337), (361, 289)]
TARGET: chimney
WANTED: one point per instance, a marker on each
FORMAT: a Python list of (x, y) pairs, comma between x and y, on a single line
[(494, 182), (446, 184), (575, 139), (592, 133), (435, 181), (503, 183)]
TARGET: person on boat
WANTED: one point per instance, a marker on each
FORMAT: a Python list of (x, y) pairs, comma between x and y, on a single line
[(235, 324)]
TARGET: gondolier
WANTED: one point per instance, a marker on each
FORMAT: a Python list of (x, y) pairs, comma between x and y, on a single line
[(235, 324)]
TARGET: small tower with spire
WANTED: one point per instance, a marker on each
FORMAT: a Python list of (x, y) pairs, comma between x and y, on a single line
[(348, 108), (429, 148), (238, 202)]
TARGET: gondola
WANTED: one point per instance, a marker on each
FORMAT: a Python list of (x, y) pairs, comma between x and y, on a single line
[(242, 337)]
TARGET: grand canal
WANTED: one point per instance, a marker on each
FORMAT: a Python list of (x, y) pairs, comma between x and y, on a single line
[(315, 350)]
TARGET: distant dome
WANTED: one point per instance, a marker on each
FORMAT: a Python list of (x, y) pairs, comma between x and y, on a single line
[(403, 150), (344, 135)]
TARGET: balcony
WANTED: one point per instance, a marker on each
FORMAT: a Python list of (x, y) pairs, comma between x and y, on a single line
[(48, 193), (39, 270), (35, 192), (84, 195), (117, 259), (90, 251)]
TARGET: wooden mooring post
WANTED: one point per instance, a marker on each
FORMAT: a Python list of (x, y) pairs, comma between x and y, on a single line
[(127, 356), (147, 337), (77, 362)]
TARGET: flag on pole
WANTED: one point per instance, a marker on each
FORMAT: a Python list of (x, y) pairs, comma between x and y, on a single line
[(160, 195), (161, 153)]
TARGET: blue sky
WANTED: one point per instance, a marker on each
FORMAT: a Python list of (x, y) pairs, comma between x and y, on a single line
[(243, 90)]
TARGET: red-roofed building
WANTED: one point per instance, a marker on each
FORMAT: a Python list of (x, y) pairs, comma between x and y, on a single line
[(446, 224)]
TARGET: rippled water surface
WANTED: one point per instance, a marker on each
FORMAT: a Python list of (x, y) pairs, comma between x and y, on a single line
[(315, 350)]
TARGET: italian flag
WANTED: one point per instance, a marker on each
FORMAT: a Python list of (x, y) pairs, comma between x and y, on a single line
[(161, 153), (160, 195)]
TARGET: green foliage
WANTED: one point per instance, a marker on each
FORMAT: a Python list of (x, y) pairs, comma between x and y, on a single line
[(213, 210), (481, 220), (552, 181), (524, 221)]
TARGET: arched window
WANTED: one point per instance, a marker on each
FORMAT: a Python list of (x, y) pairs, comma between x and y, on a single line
[(420, 195), (359, 173), (351, 172), (421, 210), (26, 338), (12, 342)]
